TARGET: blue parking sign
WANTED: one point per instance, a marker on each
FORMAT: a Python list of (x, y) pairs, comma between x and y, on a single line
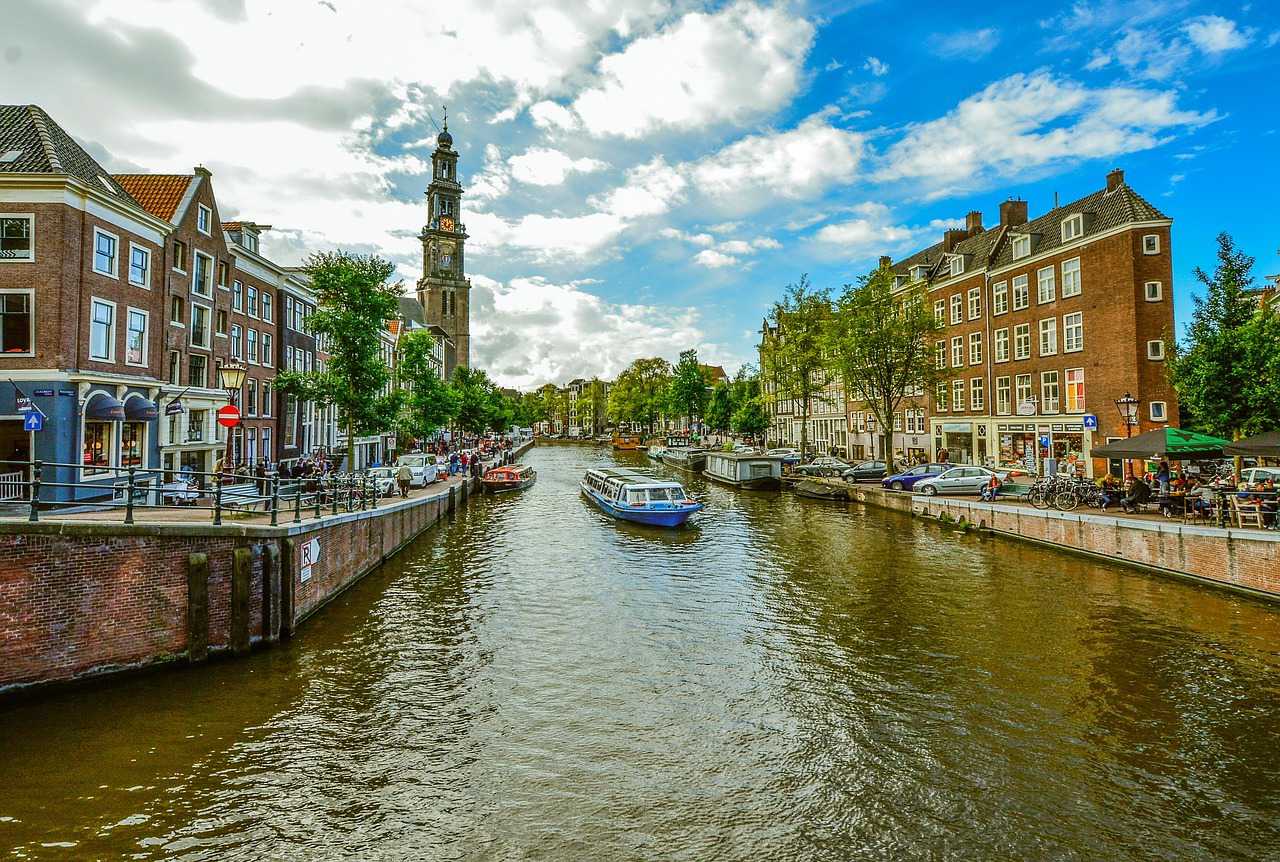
[(33, 422)]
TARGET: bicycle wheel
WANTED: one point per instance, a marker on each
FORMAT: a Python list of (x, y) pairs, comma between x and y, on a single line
[(1039, 498), (1066, 500)]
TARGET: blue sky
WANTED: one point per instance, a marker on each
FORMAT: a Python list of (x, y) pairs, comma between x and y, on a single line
[(647, 175)]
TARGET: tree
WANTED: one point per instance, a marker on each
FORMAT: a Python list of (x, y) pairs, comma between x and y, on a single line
[(598, 404), (354, 303), (474, 392), (720, 407), (640, 393), (793, 352), (1224, 370), (687, 391), (428, 403), (751, 419), (880, 343)]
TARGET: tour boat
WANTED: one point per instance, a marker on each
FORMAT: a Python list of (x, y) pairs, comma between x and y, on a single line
[(632, 496), (745, 470), (627, 442), (512, 477)]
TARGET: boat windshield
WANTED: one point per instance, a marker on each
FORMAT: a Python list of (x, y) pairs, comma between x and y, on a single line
[(664, 495)]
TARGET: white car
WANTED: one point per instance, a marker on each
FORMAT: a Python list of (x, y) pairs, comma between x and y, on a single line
[(425, 470), (1254, 475), (386, 480)]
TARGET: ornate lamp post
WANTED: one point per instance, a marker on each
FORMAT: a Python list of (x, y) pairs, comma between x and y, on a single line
[(1128, 407), (231, 378)]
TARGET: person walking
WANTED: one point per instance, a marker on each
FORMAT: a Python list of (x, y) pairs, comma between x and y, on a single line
[(1162, 477), (453, 463), (404, 475)]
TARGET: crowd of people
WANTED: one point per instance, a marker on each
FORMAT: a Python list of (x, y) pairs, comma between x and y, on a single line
[(1170, 487)]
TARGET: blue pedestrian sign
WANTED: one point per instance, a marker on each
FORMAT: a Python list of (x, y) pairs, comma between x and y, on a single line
[(1091, 422), (33, 422)]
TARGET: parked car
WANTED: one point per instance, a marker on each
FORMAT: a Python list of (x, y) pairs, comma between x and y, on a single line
[(867, 471), (824, 466), (789, 456), (1254, 475), (906, 480), (957, 480), (425, 470), (385, 477)]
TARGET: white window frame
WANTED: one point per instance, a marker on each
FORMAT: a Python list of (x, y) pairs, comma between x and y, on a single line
[(977, 395), (1066, 392), (1163, 412), (957, 351), (1067, 326), (1000, 337), (251, 308), (186, 254), (1155, 350), (940, 397), (146, 335), (251, 356), (940, 354), (1021, 246), (1045, 401), (1151, 243), (957, 308), (204, 214), (1000, 298), (1021, 336), (115, 258), (195, 269), (1007, 391), (1021, 288), (1052, 331), (1023, 384), (1072, 287), (111, 335), (208, 328), (1072, 227), (975, 348), (30, 293), (975, 303), (957, 264), (236, 347), (264, 342), (31, 230), (1153, 296), (957, 394), (266, 303), (1046, 285), (145, 284)]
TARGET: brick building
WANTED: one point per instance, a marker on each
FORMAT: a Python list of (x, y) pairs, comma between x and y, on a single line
[(252, 341), (298, 419), (1048, 322)]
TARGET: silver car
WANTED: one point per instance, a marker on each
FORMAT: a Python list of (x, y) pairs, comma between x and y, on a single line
[(957, 480)]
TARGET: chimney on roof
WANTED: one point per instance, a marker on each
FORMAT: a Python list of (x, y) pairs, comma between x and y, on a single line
[(1115, 179), (952, 237), (885, 261), (973, 223), (1013, 212)]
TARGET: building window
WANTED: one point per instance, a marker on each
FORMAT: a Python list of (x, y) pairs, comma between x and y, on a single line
[(251, 397), (17, 332), (939, 397), (17, 237), (288, 312), (178, 311), (195, 425), (940, 354), (1072, 227), (266, 349), (204, 219), (1002, 345), (1049, 336), (199, 325), (1154, 291), (1045, 287), (105, 246), (197, 370), (1021, 246), (1048, 392), (251, 301), (251, 343), (1022, 341), (940, 311), (1022, 391), (975, 303), (957, 394), (132, 443), (220, 325), (957, 351), (1155, 349), (957, 308), (179, 255), (223, 271), (237, 347), (897, 422), (102, 330), (1151, 243), (175, 364), (290, 408), (139, 266), (957, 264), (1075, 390), (1004, 405), (1000, 297), (97, 447), (266, 399), (135, 341), (1021, 296), (266, 306), (975, 348), (1158, 412), (1071, 277), (200, 283), (976, 394), (1073, 332), (237, 296)]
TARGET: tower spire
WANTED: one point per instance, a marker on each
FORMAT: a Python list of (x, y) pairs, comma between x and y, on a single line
[(446, 117)]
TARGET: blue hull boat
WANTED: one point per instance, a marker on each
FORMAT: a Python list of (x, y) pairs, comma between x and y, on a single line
[(634, 497)]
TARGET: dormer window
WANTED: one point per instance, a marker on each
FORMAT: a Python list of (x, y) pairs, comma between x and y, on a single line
[(899, 281), (957, 264), (250, 241), (1072, 227), (918, 272), (1021, 246)]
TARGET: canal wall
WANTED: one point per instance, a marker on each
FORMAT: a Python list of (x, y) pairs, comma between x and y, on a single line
[(83, 599)]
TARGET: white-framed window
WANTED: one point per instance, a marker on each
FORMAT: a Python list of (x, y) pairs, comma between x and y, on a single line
[(1071, 277), (1000, 297), (975, 303), (237, 343), (106, 252), (1075, 390), (1158, 411), (1004, 403), (940, 397), (204, 219), (251, 301), (1022, 388), (179, 255), (1022, 341), (940, 354), (17, 237), (1048, 392), (957, 264), (251, 397), (1151, 243), (139, 266), (266, 306), (957, 394), (1073, 332), (1072, 227), (1049, 336), (976, 394), (99, 444), (957, 351), (975, 348), (919, 272), (1021, 295), (17, 322), (1155, 349), (251, 345), (897, 422), (266, 349), (1153, 291), (267, 454), (202, 275), (237, 295), (223, 270), (1021, 246), (1002, 345), (957, 308), (135, 337), (1046, 288), (201, 330), (102, 330)]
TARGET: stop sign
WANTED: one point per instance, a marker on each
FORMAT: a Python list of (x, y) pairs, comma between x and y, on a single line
[(229, 416)]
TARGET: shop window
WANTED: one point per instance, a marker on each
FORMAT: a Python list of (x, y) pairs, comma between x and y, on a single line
[(195, 425), (133, 436), (97, 447)]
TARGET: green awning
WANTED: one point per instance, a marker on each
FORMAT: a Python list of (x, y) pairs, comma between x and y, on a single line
[(1172, 443)]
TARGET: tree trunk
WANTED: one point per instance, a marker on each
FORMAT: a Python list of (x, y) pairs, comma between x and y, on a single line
[(804, 427), (351, 446)]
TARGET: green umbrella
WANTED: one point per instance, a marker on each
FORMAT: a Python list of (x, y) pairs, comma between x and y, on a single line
[(1173, 443)]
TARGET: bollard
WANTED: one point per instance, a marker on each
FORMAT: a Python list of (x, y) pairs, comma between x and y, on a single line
[(35, 492), (128, 505), (275, 500), (217, 503)]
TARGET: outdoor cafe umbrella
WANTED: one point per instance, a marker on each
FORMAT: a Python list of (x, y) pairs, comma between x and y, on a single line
[(1172, 443), (1264, 445)]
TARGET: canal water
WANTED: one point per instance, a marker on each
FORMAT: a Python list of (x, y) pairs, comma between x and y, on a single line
[(784, 680)]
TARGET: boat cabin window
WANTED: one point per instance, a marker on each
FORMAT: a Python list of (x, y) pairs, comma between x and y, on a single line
[(635, 496), (660, 494)]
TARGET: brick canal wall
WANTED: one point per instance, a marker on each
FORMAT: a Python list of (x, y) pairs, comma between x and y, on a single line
[(80, 599)]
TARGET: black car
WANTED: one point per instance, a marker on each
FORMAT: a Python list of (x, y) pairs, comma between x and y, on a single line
[(822, 466), (867, 471)]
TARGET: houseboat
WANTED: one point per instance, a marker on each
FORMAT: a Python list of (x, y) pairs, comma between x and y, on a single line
[(680, 454), (512, 477), (745, 470), (632, 496), (627, 442)]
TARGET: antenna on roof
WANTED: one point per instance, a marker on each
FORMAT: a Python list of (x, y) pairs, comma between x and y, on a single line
[(1055, 200)]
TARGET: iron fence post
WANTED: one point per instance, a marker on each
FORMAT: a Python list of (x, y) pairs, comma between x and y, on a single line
[(217, 503), (128, 504), (35, 491), (275, 500), (297, 504), (333, 493)]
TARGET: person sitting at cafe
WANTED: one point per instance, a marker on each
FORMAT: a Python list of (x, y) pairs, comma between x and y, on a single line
[(1110, 487), (991, 490), (1139, 493), (1200, 498)]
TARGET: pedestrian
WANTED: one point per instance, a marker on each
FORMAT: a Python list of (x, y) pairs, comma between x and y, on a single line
[(404, 475), (1162, 477), (453, 463)]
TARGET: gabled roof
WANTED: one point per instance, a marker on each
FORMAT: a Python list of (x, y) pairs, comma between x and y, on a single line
[(41, 146), (713, 373), (159, 194), (411, 311)]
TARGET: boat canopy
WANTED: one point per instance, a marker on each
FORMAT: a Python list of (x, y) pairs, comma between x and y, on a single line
[(631, 478)]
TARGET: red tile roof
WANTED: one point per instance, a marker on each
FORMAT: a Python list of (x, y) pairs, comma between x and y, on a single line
[(159, 194), (232, 225)]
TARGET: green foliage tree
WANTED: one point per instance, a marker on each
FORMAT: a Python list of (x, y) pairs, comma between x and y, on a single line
[(640, 393), (354, 303), (687, 391), (1224, 371), (720, 407), (428, 403), (793, 352), (750, 419), (880, 344), (474, 391), (597, 404)]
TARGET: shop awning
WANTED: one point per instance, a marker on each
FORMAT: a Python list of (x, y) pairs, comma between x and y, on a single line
[(1172, 443), (106, 408), (1264, 445), (140, 410)]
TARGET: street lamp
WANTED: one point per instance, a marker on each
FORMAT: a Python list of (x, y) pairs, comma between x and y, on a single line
[(1128, 407), (231, 377)]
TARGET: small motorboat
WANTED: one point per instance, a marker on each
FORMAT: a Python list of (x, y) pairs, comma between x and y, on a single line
[(631, 496), (511, 477), (627, 442)]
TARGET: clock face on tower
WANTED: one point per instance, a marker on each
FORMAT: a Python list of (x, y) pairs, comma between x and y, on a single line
[(446, 223)]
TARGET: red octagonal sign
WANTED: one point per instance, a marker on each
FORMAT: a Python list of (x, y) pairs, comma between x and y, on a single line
[(229, 416)]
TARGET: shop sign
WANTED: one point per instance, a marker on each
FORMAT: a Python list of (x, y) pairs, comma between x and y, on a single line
[(1026, 408), (67, 393), (25, 404), (42, 393), (173, 408), (1044, 441)]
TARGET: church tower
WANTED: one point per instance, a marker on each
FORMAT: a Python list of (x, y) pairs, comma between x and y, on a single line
[(445, 291)]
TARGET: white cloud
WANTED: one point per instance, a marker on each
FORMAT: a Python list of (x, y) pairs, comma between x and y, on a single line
[(1100, 59), (1273, 39), (713, 259), (549, 239), (541, 166), (550, 115), (740, 62), (651, 189), (493, 180), (1145, 54), (872, 231), (876, 66), (1214, 34), (699, 239), (969, 45), (766, 242)]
